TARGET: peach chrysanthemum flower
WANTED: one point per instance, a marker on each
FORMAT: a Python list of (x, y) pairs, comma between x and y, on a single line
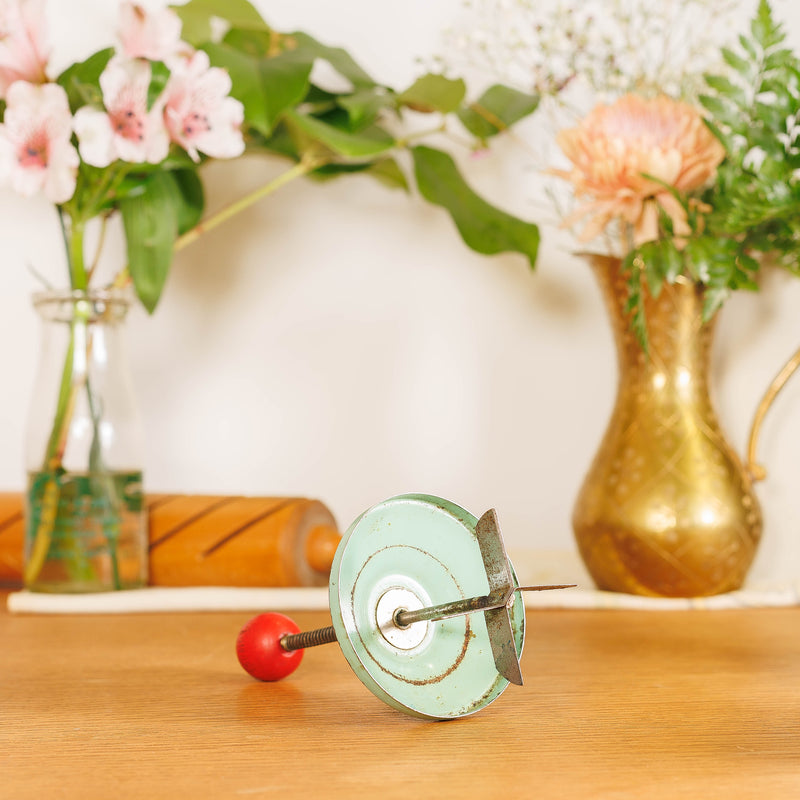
[(616, 146)]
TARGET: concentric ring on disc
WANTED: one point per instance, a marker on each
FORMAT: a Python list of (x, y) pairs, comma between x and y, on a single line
[(425, 546)]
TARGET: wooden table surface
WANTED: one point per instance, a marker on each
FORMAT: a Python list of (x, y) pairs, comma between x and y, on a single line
[(616, 704)]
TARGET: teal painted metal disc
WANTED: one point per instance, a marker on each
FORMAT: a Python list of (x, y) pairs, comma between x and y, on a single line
[(417, 550)]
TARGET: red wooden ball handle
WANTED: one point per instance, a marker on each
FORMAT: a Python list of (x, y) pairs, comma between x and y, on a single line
[(259, 650)]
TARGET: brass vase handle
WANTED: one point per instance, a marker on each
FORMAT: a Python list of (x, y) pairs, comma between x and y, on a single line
[(757, 472)]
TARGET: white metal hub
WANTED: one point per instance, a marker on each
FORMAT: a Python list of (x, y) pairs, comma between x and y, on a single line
[(392, 601)]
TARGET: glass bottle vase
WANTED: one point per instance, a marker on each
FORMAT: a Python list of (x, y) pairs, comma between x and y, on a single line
[(85, 528)]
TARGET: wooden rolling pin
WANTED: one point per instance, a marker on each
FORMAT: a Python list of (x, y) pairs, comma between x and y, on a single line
[(200, 540)]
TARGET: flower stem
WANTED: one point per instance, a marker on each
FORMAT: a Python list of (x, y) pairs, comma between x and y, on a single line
[(303, 167), (102, 486), (77, 266), (51, 497), (64, 407), (407, 140), (106, 188), (98, 252)]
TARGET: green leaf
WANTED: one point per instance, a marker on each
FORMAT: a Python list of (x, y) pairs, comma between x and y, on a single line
[(196, 17), (778, 59), (483, 227), (82, 81), (634, 305), (329, 171), (246, 79), (284, 81), (713, 299), (714, 128), (497, 109), (387, 172), (733, 59), (721, 109), (150, 221), (279, 142), (747, 46), (659, 262), (725, 87), (650, 254), (338, 58), (365, 144), (364, 106), (766, 32), (192, 198), (748, 264), (159, 76), (318, 100), (673, 261), (432, 93), (699, 260), (256, 44), (384, 170), (266, 87)]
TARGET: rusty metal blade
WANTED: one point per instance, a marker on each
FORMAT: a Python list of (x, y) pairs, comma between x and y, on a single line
[(501, 638), (493, 553), (501, 580)]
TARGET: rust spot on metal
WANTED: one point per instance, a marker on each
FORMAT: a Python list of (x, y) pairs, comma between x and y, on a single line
[(449, 671), (468, 635)]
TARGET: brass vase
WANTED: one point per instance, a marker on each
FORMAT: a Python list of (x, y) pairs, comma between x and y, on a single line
[(667, 508)]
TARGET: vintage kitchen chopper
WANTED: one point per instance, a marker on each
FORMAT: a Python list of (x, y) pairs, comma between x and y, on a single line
[(422, 600)]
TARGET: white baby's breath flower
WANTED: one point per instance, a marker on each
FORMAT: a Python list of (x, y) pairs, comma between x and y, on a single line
[(737, 143), (614, 46), (754, 158), (789, 138)]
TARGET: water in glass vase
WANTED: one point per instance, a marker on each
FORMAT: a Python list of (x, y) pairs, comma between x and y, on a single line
[(85, 531)]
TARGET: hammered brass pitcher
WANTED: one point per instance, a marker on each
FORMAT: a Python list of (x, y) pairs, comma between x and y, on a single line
[(667, 507)]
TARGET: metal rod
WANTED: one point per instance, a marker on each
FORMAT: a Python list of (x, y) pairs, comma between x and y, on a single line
[(458, 608), (403, 618), (299, 641)]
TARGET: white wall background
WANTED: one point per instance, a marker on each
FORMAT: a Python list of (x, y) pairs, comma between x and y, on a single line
[(339, 341)]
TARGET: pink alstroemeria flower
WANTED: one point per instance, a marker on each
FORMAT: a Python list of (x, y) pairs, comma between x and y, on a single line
[(35, 149), (24, 45), (199, 113), (145, 32), (126, 130)]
